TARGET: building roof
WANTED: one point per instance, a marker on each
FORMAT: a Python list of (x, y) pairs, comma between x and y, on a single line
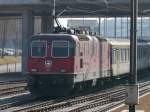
[(74, 7)]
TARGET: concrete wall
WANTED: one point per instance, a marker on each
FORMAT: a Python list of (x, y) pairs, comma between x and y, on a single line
[(22, 2), (11, 29)]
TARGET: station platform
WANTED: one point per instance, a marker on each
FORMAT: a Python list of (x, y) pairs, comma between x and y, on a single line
[(144, 105)]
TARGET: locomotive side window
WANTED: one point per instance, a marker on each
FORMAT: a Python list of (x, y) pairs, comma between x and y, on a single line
[(71, 49), (60, 49), (38, 48), (81, 63)]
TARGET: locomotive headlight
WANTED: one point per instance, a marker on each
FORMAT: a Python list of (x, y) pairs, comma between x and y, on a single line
[(48, 63), (33, 70), (62, 70)]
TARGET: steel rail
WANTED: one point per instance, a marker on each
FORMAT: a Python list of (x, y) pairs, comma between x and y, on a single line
[(117, 100), (12, 90), (95, 100), (49, 106), (13, 82)]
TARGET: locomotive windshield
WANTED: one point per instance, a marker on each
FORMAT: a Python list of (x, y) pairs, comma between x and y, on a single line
[(60, 49), (38, 49)]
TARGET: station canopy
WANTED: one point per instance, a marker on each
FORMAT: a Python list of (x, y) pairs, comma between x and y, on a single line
[(74, 8)]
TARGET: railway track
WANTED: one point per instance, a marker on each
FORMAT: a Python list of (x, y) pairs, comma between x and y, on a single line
[(51, 106), (45, 103), (13, 82), (143, 90), (111, 99), (10, 88), (104, 101), (24, 99)]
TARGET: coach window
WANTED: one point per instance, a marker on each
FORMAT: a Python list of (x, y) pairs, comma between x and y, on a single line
[(78, 50), (122, 56), (93, 49), (85, 52), (38, 48), (138, 53), (125, 53), (113, 56), (87, 49), (127, 56), (60, 49), (71, 49), (142, 51), (121, 53)]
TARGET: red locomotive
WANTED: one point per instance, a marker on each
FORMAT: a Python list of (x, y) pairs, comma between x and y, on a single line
[(60, 63)]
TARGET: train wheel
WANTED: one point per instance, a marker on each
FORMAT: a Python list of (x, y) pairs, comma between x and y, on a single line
[(88, 85), (75, 88)]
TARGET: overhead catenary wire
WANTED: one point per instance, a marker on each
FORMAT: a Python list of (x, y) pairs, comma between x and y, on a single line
[(87, 10)]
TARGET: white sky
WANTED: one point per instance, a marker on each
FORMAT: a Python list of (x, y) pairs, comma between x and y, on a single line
[(63, 21)]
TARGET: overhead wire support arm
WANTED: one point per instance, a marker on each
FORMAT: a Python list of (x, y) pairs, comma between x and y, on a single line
[(54, 8), (55, 17), (54, 13)]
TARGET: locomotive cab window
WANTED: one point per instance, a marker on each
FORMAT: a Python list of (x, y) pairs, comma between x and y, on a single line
[(62, 49), (38, 49)]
